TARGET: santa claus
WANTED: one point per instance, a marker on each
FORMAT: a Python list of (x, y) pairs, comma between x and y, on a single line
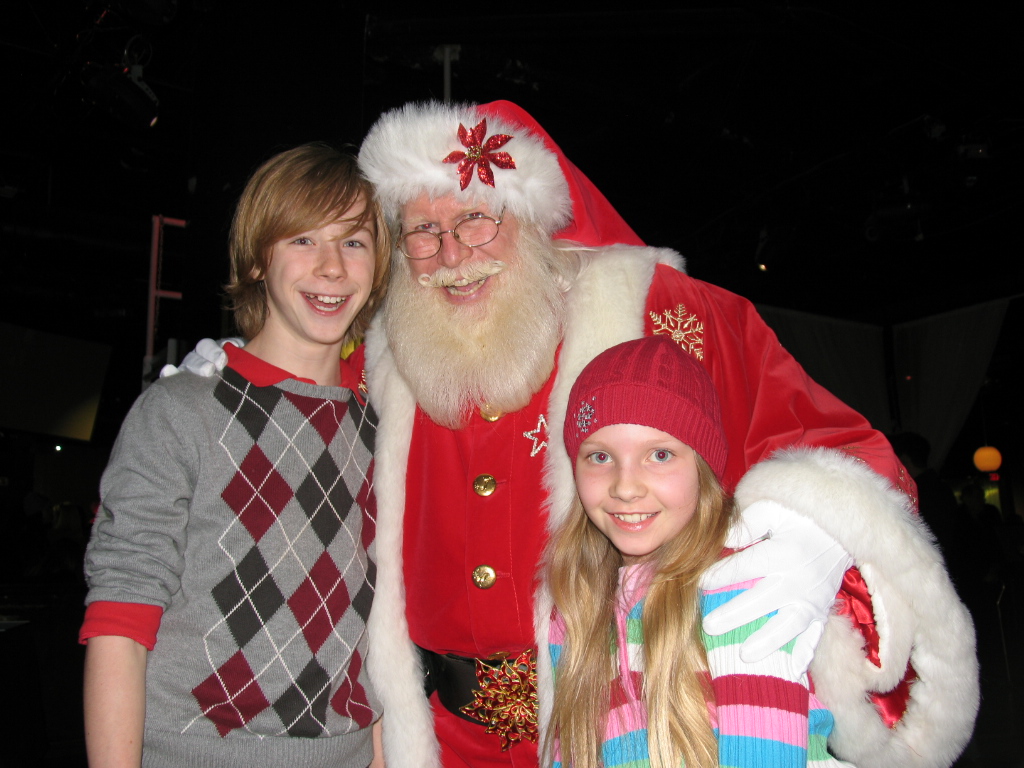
[(511, 271)]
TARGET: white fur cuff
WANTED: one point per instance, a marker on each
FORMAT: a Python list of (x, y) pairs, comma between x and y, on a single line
[(919, 617)]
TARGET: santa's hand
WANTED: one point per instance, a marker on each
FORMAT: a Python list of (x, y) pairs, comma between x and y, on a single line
[(801, 569), (207, 359)]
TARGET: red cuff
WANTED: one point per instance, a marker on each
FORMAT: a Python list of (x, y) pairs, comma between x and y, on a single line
[(136, 621)]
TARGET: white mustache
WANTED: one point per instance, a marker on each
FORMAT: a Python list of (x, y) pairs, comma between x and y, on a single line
[(443, 277)]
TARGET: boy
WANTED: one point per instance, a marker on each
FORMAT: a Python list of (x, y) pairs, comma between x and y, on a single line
[(237, 523)]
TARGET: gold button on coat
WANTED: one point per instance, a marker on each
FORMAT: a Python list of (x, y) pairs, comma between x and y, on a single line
[(484, 576), (487, 413), (484, 485)]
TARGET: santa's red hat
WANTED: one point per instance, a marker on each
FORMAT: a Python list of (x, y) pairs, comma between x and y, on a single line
[(492, 153)]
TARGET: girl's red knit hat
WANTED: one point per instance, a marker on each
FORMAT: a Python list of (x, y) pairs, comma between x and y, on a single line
[(653, 383)]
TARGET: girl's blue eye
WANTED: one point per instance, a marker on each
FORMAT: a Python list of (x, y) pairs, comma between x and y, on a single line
[(661, 455), (599, 457), (302, 241)]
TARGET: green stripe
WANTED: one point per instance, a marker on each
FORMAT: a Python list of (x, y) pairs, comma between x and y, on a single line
[(817, 747), (737, 636)]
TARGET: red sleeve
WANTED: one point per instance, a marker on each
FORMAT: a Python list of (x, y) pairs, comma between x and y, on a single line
[(768, 400), (136, 621)]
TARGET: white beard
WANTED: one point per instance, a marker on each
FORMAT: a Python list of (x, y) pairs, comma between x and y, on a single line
[(496, 352)]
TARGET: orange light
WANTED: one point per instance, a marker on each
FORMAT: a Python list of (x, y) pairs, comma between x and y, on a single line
[(987, 459)]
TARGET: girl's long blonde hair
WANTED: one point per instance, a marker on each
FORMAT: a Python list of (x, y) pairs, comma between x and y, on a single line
[(583, 575)]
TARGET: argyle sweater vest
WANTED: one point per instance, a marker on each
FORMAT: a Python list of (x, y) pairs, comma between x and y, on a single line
[(246, 513)]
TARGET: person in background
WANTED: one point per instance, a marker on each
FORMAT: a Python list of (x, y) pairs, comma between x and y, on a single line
[(936, 502)]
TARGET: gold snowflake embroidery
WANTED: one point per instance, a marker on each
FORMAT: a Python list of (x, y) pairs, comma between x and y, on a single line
[(684, 328), (506, 700)]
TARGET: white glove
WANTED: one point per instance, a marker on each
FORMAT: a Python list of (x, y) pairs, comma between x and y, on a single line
[(801, 569), (207, 359)]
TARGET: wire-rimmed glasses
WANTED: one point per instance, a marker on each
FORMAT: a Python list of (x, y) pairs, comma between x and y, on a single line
[(473, 232)]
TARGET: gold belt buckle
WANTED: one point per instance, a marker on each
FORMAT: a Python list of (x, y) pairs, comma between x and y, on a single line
[(506, 700)]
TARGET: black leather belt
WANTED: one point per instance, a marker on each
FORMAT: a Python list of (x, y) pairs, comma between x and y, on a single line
[(454, 679), (498, 693)]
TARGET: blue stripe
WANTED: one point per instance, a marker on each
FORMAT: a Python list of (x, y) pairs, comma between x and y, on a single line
[(628, 748), (710, 601), (820, 721), (556, 653), (752, 752)]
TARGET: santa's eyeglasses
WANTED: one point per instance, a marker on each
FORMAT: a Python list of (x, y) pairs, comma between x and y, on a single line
[(473, 232)]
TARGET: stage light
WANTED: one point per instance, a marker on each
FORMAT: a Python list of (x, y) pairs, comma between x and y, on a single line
[(987, 459)]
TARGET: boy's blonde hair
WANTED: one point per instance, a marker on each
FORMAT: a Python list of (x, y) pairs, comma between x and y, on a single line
[(583, 575), (295, 191)]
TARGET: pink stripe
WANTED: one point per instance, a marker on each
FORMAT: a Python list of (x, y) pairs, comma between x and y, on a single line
[(733, 587), (625, 719), (763, 723), (557, 634)]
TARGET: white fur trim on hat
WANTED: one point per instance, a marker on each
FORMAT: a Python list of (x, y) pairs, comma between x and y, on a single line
[(403, 157)]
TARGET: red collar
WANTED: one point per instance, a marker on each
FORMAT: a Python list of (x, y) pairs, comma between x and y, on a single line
[(263, 374)]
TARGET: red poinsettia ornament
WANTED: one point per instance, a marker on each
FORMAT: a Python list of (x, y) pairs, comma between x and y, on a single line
[(480, 153)]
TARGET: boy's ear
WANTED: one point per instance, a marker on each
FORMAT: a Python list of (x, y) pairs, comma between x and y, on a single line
[(258, 273)]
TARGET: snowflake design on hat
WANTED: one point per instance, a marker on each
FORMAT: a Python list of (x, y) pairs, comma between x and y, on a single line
[(585, 417), (480, 153)]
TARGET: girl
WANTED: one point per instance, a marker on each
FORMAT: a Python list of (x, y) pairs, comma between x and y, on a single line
[(644, 430)]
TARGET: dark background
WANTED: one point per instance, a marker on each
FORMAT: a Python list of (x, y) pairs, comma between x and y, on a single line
[(870, 158)]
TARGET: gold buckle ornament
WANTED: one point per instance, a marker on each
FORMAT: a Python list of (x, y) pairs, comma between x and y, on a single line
[(506, 701)]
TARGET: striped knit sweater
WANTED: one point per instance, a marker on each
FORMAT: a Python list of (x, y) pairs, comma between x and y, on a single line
[(764, 716)]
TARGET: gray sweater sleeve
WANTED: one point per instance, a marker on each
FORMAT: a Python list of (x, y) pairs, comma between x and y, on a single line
[(136, 553)]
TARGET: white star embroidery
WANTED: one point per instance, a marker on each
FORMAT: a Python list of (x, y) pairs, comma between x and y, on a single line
[(534, 434)]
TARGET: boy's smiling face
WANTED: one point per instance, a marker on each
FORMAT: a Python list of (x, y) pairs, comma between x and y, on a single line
[(638, 485), (316, 283)]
